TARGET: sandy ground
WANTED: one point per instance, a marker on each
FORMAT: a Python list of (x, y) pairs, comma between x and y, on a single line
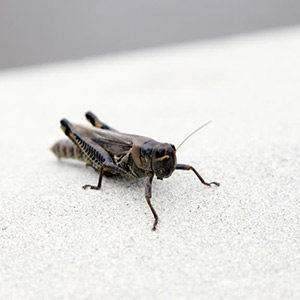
[(238, 241)]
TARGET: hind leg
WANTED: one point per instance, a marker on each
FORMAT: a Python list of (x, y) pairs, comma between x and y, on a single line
[(87, 165), (93, 153), (92, 118), (97, 187)]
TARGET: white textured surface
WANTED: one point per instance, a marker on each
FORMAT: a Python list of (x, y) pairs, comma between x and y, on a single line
[(239, 241)]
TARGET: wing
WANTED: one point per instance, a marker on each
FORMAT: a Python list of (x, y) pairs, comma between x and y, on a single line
[(113, 142)]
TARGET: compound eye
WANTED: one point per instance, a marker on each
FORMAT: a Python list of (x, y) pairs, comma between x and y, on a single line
[(173, 147), (160, 152)]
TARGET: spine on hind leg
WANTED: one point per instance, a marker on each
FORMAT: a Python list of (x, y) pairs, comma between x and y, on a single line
[(67, 149)]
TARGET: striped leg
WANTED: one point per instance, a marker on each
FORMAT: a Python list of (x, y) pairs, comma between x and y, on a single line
[(93, 153)]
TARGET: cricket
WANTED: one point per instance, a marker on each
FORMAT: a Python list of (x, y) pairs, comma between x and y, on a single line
[(111, 152)]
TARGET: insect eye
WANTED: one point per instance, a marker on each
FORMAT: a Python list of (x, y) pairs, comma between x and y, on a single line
[(173, 147), (160, 152)]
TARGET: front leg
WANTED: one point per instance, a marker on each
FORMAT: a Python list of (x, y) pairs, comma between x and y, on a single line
[(148, 195), (188, 168), (99, 182)]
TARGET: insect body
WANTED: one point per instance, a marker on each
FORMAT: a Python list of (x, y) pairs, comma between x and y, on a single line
[(111, 152)]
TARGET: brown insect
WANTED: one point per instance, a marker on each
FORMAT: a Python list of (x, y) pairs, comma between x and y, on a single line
[(110, 152)]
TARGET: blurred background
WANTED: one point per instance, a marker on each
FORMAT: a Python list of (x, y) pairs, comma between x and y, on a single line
[(34, 32)]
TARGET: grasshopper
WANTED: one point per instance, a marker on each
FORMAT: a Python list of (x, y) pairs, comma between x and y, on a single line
[(111, 152)]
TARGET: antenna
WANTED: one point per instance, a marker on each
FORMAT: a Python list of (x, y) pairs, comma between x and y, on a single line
[(196, 130)]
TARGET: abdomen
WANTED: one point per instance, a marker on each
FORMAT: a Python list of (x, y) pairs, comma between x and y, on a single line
[(67, 149)]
